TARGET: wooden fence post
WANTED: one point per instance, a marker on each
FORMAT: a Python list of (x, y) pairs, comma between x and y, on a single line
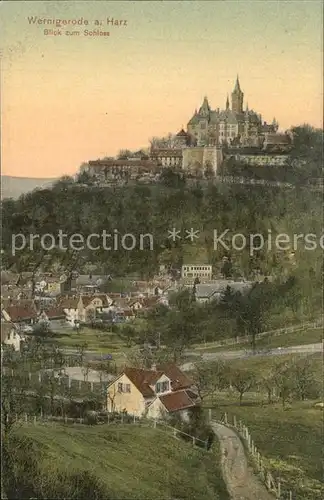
[(134, 419), (193, 440), (154, 424), (225, 418), (234, 421)]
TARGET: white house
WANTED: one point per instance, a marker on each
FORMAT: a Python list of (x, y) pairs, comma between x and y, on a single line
[(197, 271)]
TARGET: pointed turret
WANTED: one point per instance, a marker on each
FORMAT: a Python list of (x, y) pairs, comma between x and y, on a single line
[(275, 124), (205, 108), (237, 87), (237, 97), (227, 103)]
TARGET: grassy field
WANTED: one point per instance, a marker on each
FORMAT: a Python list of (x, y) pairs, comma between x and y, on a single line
[(97, 341), (291, 439), (301, 337), (129, 461)]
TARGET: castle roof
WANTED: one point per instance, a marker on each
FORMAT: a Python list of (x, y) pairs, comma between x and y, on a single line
[(182, 133)]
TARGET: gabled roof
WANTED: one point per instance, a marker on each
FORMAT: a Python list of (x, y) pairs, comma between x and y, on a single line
[(149, 302), (142, 379), (55, 312), (182, 133), (175, 401), (178, 379), (87, 299), (68, 302)]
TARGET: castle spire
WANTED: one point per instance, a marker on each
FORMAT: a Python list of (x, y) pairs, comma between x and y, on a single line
[(237, 97), (237, 85), (227, 103)]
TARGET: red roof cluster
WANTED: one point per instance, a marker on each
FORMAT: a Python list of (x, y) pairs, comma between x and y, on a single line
[(21, 313)]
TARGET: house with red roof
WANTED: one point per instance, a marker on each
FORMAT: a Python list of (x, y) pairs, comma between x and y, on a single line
[(155, 393), (21, 312)]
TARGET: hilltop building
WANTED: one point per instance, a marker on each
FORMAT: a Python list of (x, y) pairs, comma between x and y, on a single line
[(233, 125)]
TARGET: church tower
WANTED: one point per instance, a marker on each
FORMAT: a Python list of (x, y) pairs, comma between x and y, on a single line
[(237, 98)]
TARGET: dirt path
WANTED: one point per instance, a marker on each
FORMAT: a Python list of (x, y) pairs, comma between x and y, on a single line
[(241, 482)]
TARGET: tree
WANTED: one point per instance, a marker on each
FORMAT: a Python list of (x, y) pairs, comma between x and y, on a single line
[(171, 177), (81, 350), (124, 154), (284, 380), (227, 269), (267, 381), (13, 389), (242, 380), (210, 377), (85, 178), (128, 334), (305, 378), (209, 172), (202, 378)]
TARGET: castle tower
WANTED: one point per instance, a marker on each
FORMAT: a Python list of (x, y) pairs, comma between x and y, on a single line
[(237, 98)]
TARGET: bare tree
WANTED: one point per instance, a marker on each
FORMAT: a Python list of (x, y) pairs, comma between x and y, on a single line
[(305, 379), (242, 380), (284, 380)]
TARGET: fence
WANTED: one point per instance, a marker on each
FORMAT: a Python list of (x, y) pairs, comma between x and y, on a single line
[(279, 331), (273, 485), (108, 418), (38, 377)]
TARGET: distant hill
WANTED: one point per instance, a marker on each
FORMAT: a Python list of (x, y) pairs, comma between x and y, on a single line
[(13, 187)]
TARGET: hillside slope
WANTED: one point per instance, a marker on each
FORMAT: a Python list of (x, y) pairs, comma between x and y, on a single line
[(113, 462)]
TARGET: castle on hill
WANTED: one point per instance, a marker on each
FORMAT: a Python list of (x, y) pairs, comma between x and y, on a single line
[(232, 126)]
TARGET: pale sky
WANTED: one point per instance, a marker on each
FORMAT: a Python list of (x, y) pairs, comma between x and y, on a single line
[(69, 99)]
